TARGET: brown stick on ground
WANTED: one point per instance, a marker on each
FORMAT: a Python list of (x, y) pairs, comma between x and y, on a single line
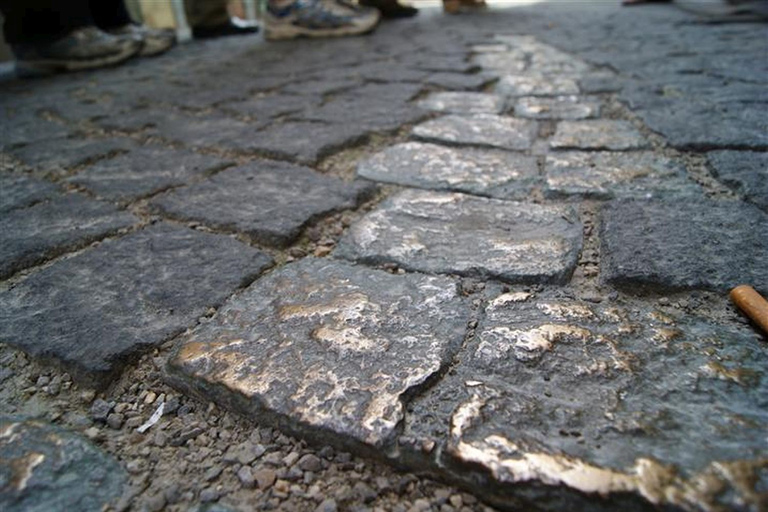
[(751, 303)]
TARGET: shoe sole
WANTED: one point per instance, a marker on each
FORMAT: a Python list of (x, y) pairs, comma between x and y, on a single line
[(37, 68), (282, 32)]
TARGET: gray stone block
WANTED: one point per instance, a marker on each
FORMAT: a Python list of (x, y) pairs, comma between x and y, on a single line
[(559, 107), (306, 142), (460, 81), (598, 134), (47, 468), (479, 130), (533, 85), (326, 349), (57, 156), (484, 172), (21, 190), (744, 171), (469, 236), (95, 312), (463, 103), (32, 235), (674, 244), (269, 201)]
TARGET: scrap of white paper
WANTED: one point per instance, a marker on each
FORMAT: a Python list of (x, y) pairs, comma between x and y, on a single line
[(153, 419)]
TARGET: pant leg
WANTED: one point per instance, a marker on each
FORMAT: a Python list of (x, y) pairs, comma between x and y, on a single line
[(206, 13), (42, 21), (109, 13)]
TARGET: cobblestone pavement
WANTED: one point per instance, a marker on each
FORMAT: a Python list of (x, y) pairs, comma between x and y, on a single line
[(492, 251)]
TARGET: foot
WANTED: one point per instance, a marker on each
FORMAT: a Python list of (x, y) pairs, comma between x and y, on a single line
[(391, 8), (319, 18), (84, 48), (235, 27), (154, 41), (459, 6)]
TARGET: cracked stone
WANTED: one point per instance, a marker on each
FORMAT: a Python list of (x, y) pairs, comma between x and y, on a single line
[(481, 130), (492, 173), (144, 171), (605, 175), (463, 103), (269, 201), (683, 244), (559, 107), (43, 231), (326, 348), (598, 134), (745, 172), (603, 406), (470, 236), (95, 311), (21, 190), (531, 85), (41, 462), (57, 156)]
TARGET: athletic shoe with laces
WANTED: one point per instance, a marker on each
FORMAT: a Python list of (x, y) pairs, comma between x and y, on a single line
[(154, 41), (318, 18), (84, 48)]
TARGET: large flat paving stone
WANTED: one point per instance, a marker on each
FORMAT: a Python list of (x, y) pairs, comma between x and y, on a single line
[(479, 130), (94, 312), (269, 201), (21, 190), (447, 233), (536, 85), (559, 107), (558, 404), (47, 468), (605, 175), (463, 103), (144, 171), (674, 244), (45, 230), (744, 171), (484, 172), (599, 134), (325, 348), (57, 156), (306, 142)]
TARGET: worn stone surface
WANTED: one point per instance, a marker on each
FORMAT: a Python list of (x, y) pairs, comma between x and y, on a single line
[(27, 129), (463, 103), (484, 172), (47, 468), (559, 107), (273, 105), (597, 134), (598, 407), (673, 244), (21, 190), (744, 171), (94, 311), (460, 234), (306, 142), (57, 156), (459, 81), (327, 348), (531, 85), (33, 235), (479, 130), (269, 201), (144, 171), (604, 175)]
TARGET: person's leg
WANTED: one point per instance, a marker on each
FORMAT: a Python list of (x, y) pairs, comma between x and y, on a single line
[(210, 18), (43, 21), (109, 14)]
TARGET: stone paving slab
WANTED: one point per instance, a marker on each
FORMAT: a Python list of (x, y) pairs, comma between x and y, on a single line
[(483, 172), (599, 134), (95, 311), (22, 190), (46, 230), (479, 130), (605, 175), (29, 130), (144, 171), (674, 244), (459, 81), (558, 107), (558, 404), (272, 106), (531, 85), (463, 103), (57, 156), (327, 349), (470, 236), (744, 171), (269, 201), (46, 468)]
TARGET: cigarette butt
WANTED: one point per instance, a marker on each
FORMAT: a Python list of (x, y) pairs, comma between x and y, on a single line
[(752, 304)]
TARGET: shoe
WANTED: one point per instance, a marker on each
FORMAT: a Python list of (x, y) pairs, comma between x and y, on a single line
[(154, 41), (84, 48), (391, 8), (318, 18), (235, 27), (459, 6)]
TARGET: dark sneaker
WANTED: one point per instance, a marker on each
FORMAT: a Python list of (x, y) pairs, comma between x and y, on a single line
[(319, 18), (154, 41), (84, 48), (235, 27), (391, 8)]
